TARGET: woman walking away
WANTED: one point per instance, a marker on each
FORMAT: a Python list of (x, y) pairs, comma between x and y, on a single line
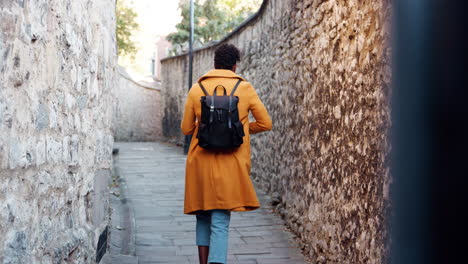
[(217, 176)]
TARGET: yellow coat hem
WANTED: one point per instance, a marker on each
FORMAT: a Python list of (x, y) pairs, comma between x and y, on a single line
[(238, 207)]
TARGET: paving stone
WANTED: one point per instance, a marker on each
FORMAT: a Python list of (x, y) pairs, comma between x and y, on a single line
[(119, 259), (154, 175)]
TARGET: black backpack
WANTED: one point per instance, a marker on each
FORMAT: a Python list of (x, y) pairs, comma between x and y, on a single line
[(220, 128)]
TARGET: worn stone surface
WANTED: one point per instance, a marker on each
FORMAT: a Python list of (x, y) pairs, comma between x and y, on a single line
[(57, 71), (137, 115), (322, 67), (154, 175)]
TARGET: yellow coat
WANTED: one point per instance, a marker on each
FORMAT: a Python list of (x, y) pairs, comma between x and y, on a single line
[(221, 180)]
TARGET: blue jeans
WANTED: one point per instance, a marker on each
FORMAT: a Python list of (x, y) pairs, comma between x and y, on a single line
[(212, 230)]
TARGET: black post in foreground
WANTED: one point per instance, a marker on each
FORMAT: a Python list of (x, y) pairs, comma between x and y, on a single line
[(190, 71), (430, 149)]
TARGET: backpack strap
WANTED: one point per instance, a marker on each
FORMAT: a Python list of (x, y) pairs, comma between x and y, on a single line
[(203, 88), (230, 102), (235, 87), (212, 100)]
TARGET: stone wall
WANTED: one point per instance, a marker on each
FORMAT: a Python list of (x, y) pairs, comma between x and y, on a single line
[(57, 71), (137, 115), (323, 70)]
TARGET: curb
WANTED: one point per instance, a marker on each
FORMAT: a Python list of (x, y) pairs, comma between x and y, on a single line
[(122, 229), (127, 217)]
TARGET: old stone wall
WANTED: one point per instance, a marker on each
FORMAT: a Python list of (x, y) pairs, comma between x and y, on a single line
[(57, 72), (137, 115), (322, 68)]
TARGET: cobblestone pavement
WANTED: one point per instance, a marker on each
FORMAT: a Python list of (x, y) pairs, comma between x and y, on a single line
[(154, 177)]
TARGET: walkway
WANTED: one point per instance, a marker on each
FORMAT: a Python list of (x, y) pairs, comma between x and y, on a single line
[(154, 177)]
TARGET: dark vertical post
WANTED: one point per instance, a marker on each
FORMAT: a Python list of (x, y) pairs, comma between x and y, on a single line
[(190, 71), (410, 137), (429, 132), (153, 64), (191, 44)]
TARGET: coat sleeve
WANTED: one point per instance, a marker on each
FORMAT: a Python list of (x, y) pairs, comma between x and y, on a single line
[(188, 120), (260, 113)]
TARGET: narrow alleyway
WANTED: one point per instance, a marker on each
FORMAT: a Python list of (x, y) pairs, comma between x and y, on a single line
[(153, 179)]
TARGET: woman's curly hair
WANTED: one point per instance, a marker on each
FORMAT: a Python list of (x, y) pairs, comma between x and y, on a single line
[(226, 56)]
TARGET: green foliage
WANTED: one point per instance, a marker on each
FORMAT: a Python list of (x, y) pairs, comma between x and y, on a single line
[(126, 25), (213, 19)]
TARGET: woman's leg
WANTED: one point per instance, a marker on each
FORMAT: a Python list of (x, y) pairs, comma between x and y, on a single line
[(203, 235), (219, 236), (203, 252)]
